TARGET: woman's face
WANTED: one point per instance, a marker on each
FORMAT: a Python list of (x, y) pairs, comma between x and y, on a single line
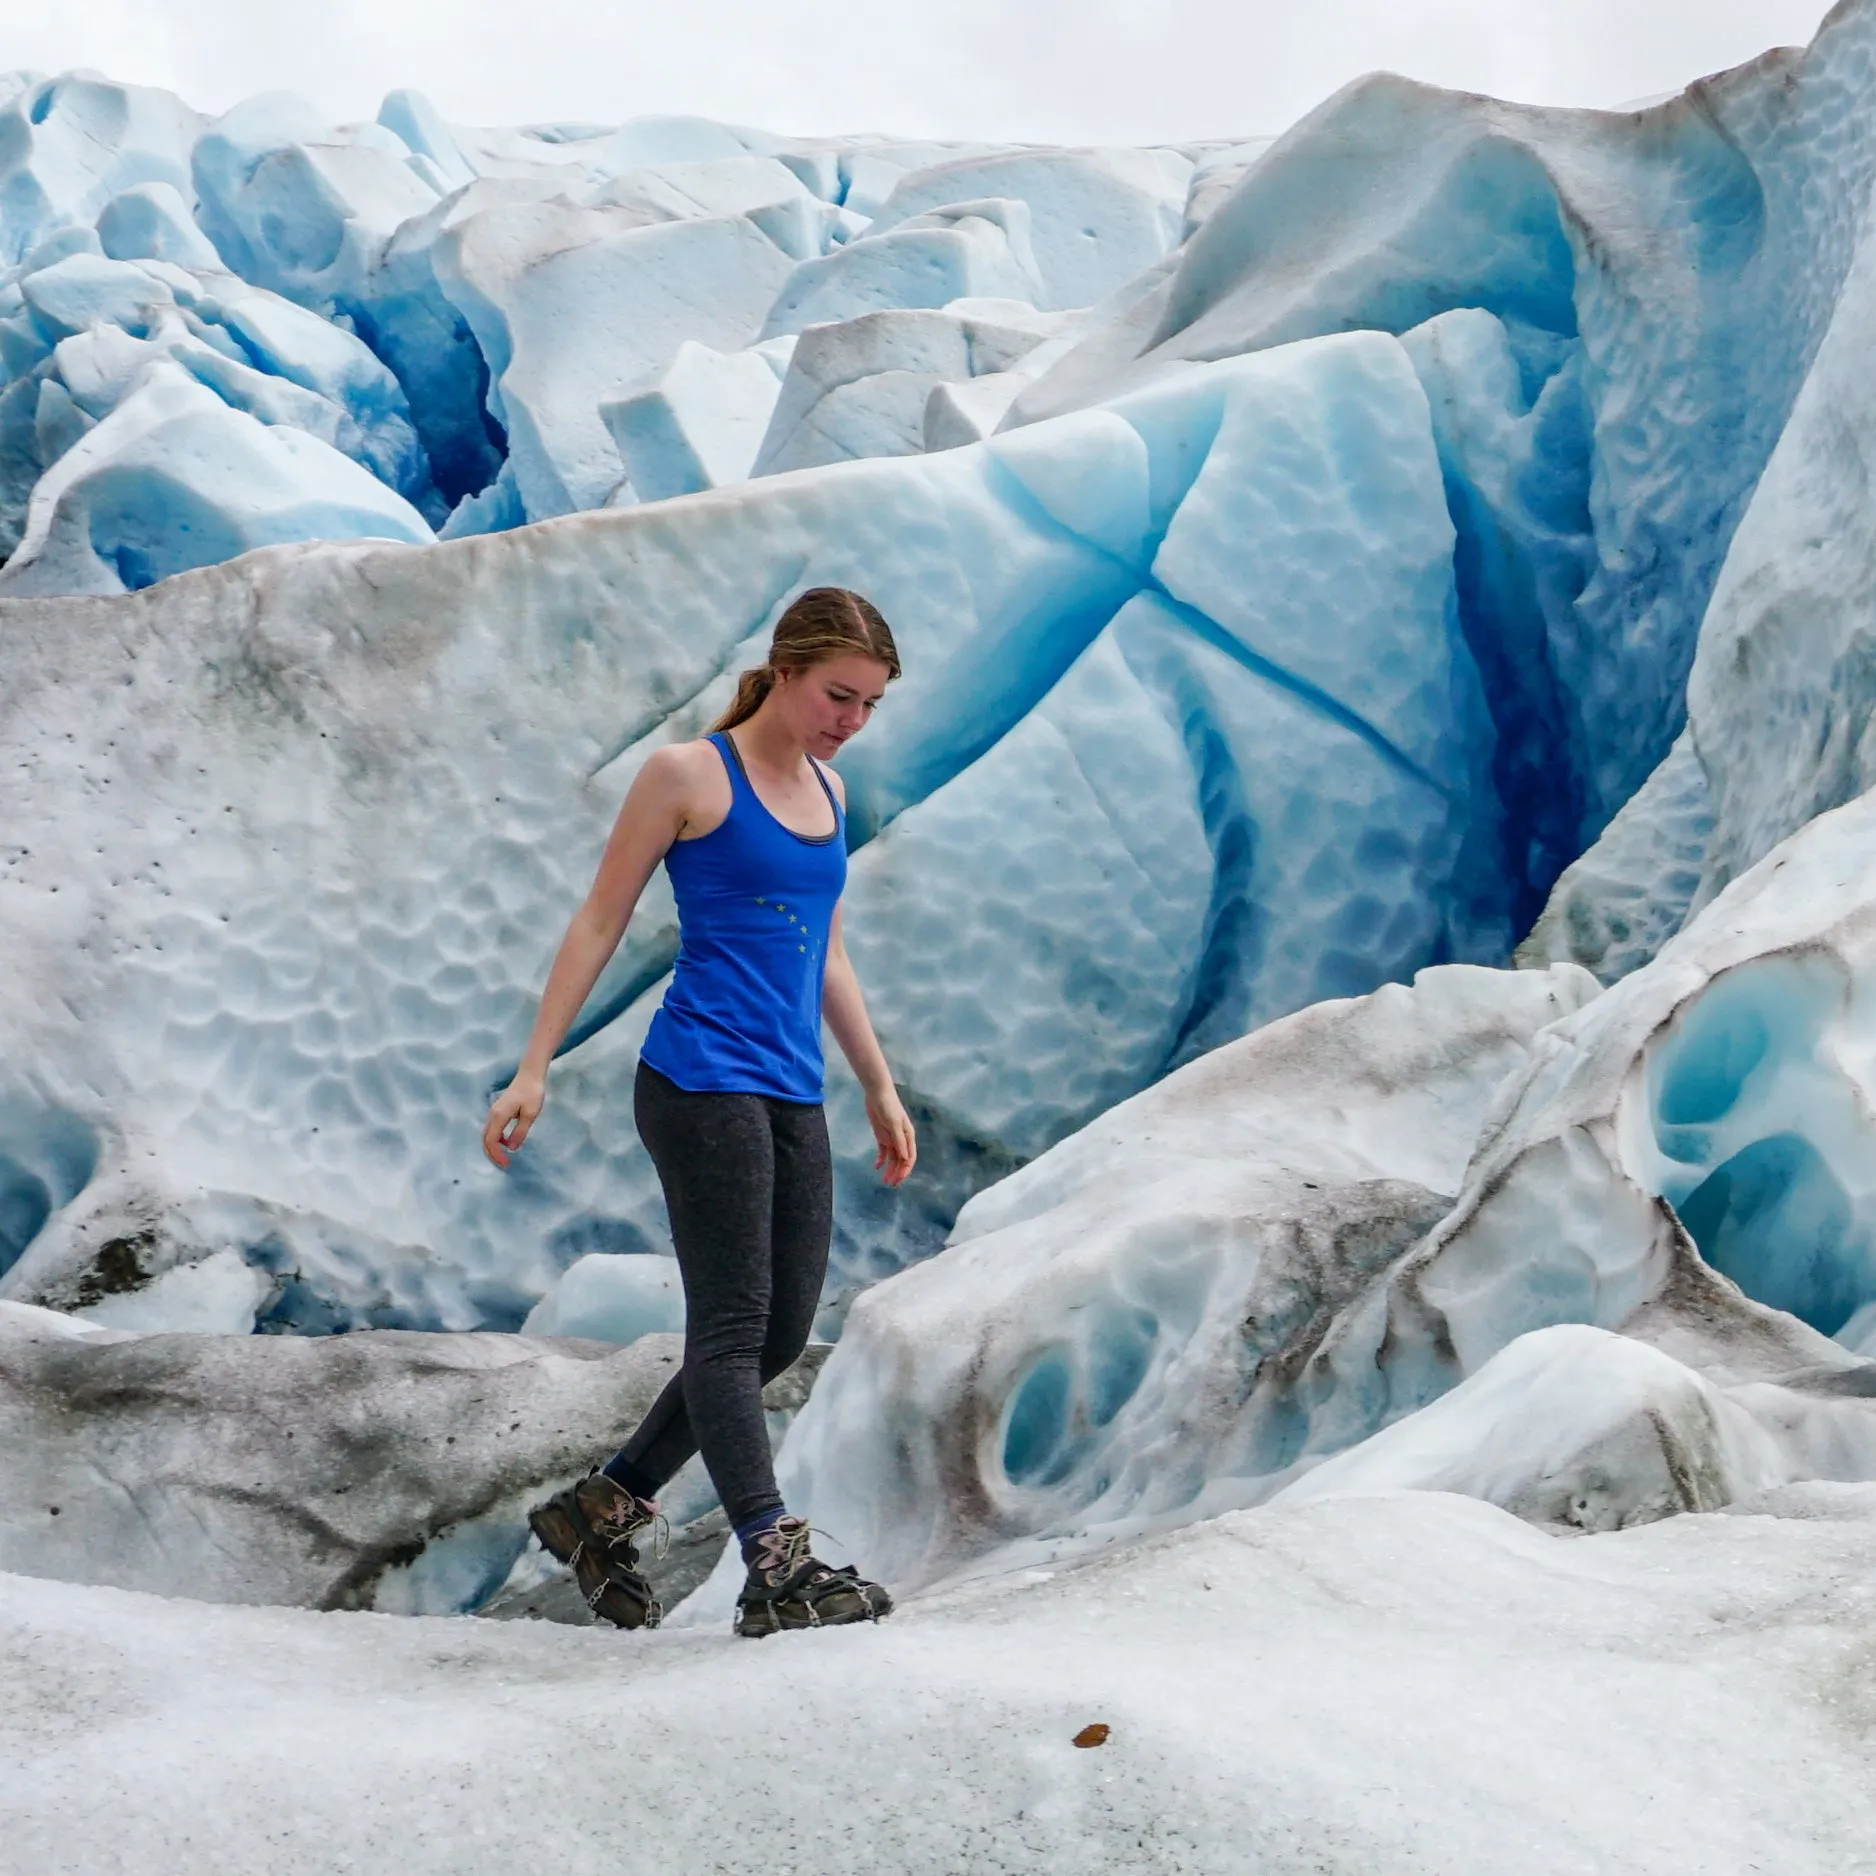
[(832, 700)]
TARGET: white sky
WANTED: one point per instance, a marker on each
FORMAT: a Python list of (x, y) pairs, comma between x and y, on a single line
[(1051, 70)]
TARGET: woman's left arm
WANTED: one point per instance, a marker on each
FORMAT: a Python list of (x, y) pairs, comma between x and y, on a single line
[(844, 1009)]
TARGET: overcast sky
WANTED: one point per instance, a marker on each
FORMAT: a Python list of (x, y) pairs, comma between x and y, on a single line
[(1054, 70)]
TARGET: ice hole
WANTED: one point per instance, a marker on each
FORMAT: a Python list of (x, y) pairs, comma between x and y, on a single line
[(1776, 1221), (1066, 1396), (1037, 1427), (1117, 1362), (47, 1157), (1729, 1048), (25, 1205), (1725, 1039)]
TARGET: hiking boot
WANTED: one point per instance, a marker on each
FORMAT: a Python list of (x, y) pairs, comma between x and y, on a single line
[(790, 1588), (590, 1528)]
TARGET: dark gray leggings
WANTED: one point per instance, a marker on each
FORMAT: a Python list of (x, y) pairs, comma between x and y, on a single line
[(749, 1184)]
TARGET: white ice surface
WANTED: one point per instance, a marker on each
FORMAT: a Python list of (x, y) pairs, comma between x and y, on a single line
[(608, 1297), (699, 425), (1408, 1683), (219, 1296), (307, 1470), (1115, 1330), (859, 387)]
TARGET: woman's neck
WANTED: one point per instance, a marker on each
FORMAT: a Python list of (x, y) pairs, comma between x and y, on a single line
[(770, 743)]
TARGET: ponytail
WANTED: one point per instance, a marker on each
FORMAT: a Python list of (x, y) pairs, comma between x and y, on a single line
[(824, 622), (751, 689)]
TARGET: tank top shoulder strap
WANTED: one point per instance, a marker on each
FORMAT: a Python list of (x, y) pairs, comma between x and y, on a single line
[(827, 788), (733, 763)]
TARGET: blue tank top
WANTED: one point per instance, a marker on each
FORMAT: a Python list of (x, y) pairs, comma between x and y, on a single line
[(754, 902)]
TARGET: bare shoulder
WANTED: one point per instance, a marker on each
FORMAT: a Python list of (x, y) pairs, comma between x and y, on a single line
[(681, 765), (833, 781), (689, 781)]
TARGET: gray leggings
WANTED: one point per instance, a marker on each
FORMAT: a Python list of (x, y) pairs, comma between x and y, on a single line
[(749, 1184)]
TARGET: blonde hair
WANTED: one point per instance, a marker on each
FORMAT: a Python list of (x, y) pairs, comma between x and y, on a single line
[(824, 622)]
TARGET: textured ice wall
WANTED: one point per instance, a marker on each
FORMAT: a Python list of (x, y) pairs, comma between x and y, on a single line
[(506, 287), (1246, 1281), (1130, 799), (1245, 681), (1664, 279)]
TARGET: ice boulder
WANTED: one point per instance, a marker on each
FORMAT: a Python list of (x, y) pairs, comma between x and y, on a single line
[(1207, 1297), (152, 221), (761, 187), (174, 478), (1684, 1161), (698, 425), (1578, 1429), (965, 250), (84, 290), (1096, 217), (68, 145), (573, 306), (867, 170), (1112, 1335), (297, 206), (612, 1298), (332, 1472), (860, 387)]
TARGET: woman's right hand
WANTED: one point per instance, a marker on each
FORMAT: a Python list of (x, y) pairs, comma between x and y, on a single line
[(514, 1112)]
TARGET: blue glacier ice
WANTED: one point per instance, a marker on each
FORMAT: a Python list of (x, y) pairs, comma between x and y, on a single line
[(1690, 256), (861, 387), (1213, 839), (1300, 551), (699, 425), (964, 250), (1096, 217)]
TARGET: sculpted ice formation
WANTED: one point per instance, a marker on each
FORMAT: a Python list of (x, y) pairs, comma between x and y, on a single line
[(1129, 1318), (699, 425), (1238, 817), (860, 387), (1096, 217), (221, 481), (302, 1470), (1240, 1283), (1675, 270)]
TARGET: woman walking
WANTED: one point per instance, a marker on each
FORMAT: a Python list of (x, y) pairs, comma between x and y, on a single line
[(750, 826)]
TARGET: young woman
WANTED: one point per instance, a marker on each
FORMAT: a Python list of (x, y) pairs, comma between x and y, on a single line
[(750, 825)]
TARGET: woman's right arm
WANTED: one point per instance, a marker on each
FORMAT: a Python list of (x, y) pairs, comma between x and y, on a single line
[(650, 818)]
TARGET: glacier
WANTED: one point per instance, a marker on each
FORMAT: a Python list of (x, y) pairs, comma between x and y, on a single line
[(1364, 887)]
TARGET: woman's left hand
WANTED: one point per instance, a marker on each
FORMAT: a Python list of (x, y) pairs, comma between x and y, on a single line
[(892, 1128)]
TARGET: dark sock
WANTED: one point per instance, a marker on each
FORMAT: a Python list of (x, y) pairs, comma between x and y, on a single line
[(751, 1531), (621, 1471)]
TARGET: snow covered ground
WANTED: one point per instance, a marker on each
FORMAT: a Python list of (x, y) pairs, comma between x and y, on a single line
[(1368, 1687)]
